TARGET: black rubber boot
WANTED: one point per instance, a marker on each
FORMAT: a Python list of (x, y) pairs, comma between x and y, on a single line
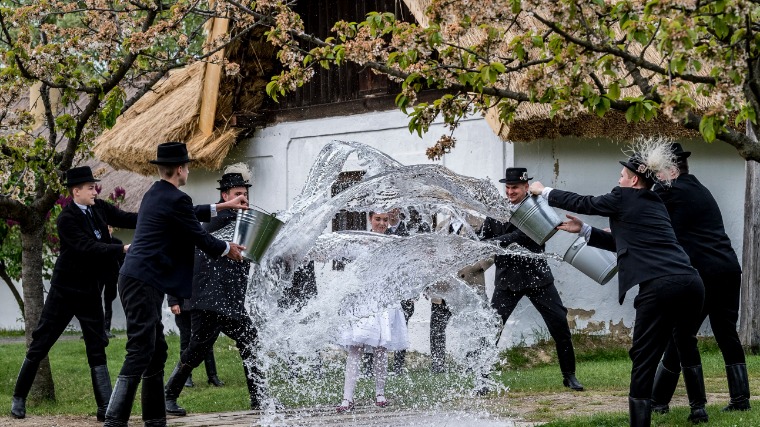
[(695, 390), (665, 382), (189, 381), (122, 399), (254, 380), (569, 380), (101, 387), (152, 400), (174, 387), (23, 384), (210, 363), (640, 412), (738, 387)]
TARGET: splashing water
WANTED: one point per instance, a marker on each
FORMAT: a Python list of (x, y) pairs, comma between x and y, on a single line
[(298, 349)]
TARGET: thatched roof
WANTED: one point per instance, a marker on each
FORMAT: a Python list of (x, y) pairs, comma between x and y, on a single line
[(532, 121), (170, 112)]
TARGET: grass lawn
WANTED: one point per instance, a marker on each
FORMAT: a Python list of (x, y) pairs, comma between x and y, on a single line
[(603, 367)]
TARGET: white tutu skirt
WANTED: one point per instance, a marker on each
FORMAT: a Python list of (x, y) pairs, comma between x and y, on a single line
[(387, 330)]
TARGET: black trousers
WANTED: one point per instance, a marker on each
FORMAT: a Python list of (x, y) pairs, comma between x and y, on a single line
[(722, 306), (667, 308), (547, 301), (146, 346), (206, 328), (60, 307), (184, 324), (407, 306), (109, 295), (439, 318)]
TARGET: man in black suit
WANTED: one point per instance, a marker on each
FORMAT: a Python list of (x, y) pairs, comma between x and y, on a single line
[(87, 252), (648, 255), (698, 225), (160, 261), (518, 276), (218, 305)]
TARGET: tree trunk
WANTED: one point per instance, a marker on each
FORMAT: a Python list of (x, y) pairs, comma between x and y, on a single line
[(31, 282), (749, 307)]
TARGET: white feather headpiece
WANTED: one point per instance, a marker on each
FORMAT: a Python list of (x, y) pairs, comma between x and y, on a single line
[(655, 156), (240, 168)]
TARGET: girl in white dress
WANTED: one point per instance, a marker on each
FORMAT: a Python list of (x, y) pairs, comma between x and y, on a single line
[(382, 333)]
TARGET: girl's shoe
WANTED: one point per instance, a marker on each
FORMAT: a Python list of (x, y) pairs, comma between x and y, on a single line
[(380, 401), (345, 406)]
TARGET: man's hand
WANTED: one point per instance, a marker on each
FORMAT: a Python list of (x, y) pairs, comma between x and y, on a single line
[(234, 253), (239, 202), (126, 248), (573, 225), (536, 188), (175, 309)]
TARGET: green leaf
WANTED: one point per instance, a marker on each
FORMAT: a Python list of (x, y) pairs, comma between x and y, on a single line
[(613, 92), (602, 106), (706, 128), (499, 67), (630, 114), (272, 88)]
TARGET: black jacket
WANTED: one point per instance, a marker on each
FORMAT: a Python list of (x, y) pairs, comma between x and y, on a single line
[(698, 225), (220, 284), (399, 231), (641, 234), (167, 233), (513, 272), (84, 261)]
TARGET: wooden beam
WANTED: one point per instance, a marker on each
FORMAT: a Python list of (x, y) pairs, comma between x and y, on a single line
[(211, 79)]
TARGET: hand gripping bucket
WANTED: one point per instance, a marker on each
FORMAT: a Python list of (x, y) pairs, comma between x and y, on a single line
[(595, 263), (255, 230), (536, 218)]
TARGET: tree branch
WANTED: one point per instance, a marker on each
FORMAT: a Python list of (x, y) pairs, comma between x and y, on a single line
[(640, 62)]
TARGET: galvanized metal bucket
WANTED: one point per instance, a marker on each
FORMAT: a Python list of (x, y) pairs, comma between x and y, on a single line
[(536, 218), (255, 230), (595, 263)]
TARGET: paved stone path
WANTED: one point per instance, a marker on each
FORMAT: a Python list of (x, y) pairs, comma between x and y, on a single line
[(366, 416)]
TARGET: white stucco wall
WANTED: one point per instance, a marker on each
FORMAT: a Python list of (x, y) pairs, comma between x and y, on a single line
[(282, 154), (591, 167)]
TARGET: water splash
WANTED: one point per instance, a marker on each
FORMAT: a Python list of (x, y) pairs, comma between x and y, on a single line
[(297, 341)]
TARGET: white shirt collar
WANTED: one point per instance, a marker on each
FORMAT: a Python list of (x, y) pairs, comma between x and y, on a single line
[(82, 207)]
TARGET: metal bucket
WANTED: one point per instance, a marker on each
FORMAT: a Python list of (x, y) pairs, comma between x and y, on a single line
[(595, 263), (255, 230), (536, 218)]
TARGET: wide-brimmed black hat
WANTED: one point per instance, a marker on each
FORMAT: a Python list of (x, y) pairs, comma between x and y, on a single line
[(232, 180), (516, 176), (171, 153), (677, 150), (80, 175)]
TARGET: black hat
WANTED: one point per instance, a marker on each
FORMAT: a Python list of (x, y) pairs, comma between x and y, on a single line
[(516, 176), (635, 165), (232, 180), (678, 151), (80, 175), (171, 153)]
